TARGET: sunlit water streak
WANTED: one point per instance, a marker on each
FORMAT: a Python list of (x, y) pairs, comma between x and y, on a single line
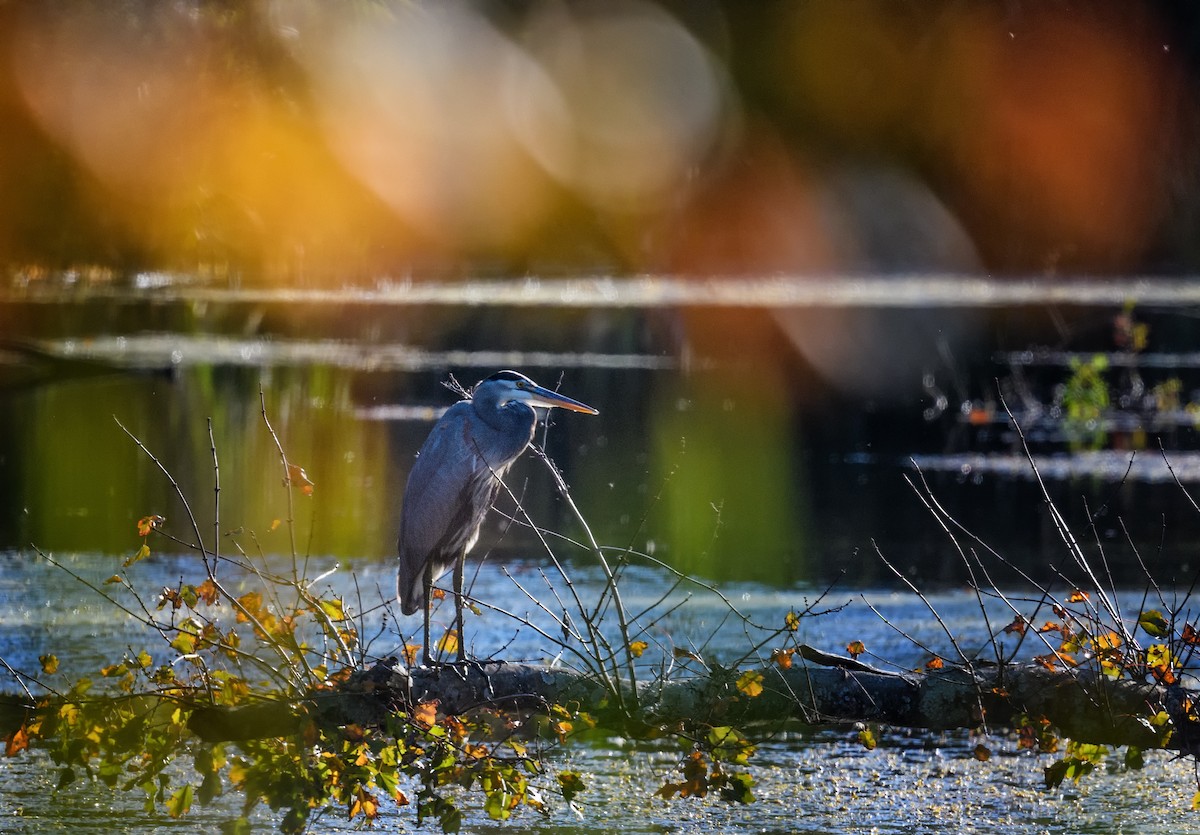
[(163, 350), (657, 291), (805, 782)]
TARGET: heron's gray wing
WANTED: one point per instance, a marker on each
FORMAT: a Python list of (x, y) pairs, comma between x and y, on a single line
[(448, 495)]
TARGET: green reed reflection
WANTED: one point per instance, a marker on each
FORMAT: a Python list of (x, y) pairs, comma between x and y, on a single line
[(731, 502), (83, 483)]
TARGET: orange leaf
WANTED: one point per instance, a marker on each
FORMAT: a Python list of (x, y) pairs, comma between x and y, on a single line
[(296, 475), (1018, 626), (783, 658), (934, 663), (410, 654), (1078, 596), (149, 523), (17, 742), (439, 594), (1190, 635), (856, 648), (49, 664), (207, 591), (425, 714)]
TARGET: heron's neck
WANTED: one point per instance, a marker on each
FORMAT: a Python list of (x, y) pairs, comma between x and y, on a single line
[(514, 418)]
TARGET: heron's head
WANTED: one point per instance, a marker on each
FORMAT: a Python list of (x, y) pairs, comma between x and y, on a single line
[(507, 386)]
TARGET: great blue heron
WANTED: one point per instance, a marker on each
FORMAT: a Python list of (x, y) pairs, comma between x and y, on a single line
[(455, 479)]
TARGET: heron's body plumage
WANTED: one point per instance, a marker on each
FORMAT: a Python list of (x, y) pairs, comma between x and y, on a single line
[(455, 479), (449, 492)]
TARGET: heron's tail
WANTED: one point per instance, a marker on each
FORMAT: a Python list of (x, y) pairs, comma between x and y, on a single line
[(411, 594)]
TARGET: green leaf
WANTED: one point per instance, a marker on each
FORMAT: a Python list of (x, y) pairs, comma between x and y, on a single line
[(737, 790), (1154, 624), (239, 826), (180, 802), (571, 783)]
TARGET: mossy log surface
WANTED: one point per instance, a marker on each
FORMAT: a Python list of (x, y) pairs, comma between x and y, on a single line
[(1082, 705)]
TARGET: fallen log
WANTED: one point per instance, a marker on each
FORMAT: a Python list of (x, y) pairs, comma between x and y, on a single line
[(1082, 705)]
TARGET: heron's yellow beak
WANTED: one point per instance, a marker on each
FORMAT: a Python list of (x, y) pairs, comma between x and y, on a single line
[(543, 397)]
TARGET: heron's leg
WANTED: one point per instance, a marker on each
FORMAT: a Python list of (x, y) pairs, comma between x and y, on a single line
[(426, 655), (458, 605)]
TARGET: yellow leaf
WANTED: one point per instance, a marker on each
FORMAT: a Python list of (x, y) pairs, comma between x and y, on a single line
[(275, 523), (636, 648), (141, 554), (791, 621), (856, 648), (116, 578), (49, 664), (449, 642), (750, 683), (333, 609)]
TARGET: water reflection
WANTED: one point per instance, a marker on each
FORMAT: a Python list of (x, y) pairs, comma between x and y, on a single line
[(717, 450)]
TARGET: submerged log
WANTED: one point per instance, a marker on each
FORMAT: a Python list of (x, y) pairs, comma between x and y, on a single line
[(1082, 705)]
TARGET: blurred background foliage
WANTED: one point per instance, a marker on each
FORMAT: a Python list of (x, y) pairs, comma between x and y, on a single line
[(301, 144), (314, 142)]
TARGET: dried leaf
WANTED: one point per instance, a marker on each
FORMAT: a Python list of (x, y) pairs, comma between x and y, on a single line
[(856, 648), (1190, 635), (1018, 626), (298, 477), (783, 658), (934, 663), (982, 753)]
